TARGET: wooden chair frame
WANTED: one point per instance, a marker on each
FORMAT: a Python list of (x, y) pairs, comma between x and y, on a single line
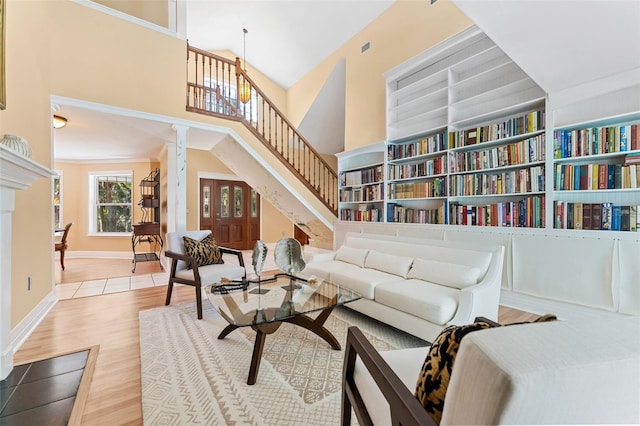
[(61, 245), (196, 282), (405, 408)]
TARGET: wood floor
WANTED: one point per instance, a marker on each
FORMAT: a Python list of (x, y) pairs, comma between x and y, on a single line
[(111, 321)]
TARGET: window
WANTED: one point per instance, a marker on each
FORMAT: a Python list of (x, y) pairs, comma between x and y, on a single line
[(222, 98), (110, 203), (57, 201)]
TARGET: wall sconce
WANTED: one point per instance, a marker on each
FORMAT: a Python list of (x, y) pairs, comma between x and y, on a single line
[(59, 122)]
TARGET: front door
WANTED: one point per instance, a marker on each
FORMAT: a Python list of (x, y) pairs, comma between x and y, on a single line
[(231, 210)]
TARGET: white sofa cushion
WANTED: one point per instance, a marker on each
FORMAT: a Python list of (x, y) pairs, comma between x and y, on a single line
[(361, 280), (448, 274), (325, 269), (211, 274), (352, 255), (434, 303), (406, 363), (396, 265)]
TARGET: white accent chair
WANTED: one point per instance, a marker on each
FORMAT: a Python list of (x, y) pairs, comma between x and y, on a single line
[(558, 372), (185, 270)]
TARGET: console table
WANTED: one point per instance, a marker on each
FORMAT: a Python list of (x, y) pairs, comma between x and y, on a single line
[(147, 232)]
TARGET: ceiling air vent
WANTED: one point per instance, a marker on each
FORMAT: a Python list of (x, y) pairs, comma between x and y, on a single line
[(365, 47)]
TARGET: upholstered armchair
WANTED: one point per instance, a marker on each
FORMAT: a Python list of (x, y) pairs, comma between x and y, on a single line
[(190, 265)]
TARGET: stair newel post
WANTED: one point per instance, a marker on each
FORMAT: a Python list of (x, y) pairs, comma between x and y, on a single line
[(238, 72)]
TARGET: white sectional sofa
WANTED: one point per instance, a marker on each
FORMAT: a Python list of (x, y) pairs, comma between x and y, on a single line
[(419, 286)]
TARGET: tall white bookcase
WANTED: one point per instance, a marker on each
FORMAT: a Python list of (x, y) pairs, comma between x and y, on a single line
[(472, 140)]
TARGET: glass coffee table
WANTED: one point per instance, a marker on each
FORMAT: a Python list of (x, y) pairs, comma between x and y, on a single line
[(265, 304)]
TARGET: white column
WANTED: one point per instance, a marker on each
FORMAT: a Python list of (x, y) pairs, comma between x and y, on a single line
[(170, 218), (7, 204), (181, 177), (16, 173)]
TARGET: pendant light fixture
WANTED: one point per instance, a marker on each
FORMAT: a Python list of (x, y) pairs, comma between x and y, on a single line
[(244, 91)]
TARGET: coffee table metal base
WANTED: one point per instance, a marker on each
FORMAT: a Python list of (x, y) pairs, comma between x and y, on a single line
[(316, 326)]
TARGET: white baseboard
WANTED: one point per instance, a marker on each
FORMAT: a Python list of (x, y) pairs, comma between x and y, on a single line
[(541, 306), (23, 330), (99, 254)]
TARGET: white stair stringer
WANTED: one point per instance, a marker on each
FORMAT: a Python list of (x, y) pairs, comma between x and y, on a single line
[(275, 183)]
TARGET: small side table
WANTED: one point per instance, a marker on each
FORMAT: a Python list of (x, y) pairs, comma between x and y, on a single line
[(146, 232)]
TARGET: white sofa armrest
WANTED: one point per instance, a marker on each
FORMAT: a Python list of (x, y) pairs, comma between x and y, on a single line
[(482, 299)]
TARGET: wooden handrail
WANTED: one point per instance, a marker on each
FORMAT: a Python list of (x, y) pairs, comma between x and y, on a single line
[(214, 88)]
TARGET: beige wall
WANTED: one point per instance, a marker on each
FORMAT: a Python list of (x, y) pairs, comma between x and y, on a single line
[(274, 225), (154, 11), (111, 61), (28, 114), (400, 33), (75, 202)]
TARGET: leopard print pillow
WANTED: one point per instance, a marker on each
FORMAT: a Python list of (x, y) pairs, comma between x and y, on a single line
[(206, 252), (436, 370)]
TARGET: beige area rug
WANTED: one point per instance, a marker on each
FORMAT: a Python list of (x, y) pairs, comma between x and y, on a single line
[(191, 377)]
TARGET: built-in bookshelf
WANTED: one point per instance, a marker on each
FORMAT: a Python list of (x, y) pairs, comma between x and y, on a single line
[(597, 175), (498, 172), (361, 187), (491, 168), (417, 177), (473, 141)]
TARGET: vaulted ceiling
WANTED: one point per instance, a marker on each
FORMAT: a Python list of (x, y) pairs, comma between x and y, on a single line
[(553, 41)]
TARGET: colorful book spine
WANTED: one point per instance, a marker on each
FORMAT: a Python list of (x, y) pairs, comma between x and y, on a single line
[(596, 216)]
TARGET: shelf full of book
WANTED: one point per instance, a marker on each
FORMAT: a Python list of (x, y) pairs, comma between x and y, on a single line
[(597, 176), (417, 178), (497, 171), (361, 186)]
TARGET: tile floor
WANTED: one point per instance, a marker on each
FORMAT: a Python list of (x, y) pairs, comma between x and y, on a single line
[(42, 392), (110, 285)]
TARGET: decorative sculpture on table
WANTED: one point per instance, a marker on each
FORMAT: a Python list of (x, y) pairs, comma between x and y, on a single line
[(257, 260), (259, 256), (288, 256)]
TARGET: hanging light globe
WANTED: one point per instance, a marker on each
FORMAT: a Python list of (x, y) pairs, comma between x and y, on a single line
[(245, 92)]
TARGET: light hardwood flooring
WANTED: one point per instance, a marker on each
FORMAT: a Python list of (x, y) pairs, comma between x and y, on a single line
[(111, 321)]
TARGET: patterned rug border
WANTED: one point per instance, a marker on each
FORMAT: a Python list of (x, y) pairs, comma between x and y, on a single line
[(190, 377)]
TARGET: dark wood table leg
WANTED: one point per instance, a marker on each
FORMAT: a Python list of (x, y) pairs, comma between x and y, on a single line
[(228, 329), (261, 334), (256, 358)]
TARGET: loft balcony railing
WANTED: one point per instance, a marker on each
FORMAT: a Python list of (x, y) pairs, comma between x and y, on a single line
[(218, 86)]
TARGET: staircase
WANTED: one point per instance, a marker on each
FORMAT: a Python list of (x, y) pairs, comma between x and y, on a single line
[(264, 148)]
